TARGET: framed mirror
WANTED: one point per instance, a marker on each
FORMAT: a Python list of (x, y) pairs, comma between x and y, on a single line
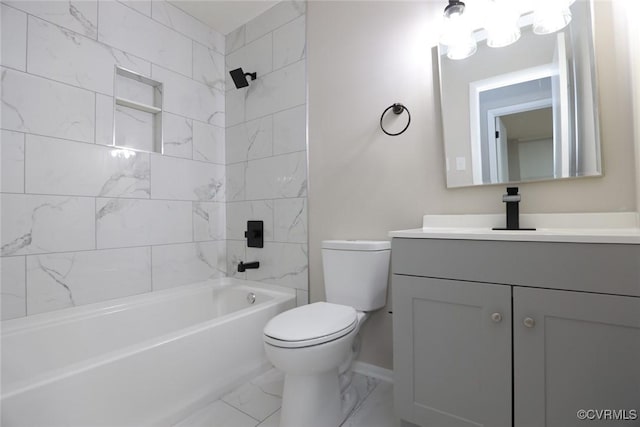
[(523, 112)]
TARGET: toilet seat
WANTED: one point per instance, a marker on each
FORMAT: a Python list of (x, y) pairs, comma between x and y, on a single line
[(310, 325)]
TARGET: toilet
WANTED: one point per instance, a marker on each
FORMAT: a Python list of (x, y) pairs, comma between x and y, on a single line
[(314, 345)]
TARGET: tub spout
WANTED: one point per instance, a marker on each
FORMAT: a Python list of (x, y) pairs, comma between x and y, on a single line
[(244, 266)]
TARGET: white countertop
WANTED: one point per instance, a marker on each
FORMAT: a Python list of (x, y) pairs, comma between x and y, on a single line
[(579, 228)]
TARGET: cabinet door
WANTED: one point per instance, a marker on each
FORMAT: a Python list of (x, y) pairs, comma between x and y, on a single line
[(577, 351), (452, 359)]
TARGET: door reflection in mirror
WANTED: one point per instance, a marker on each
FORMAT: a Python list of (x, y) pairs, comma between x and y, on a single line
[(524, 112)]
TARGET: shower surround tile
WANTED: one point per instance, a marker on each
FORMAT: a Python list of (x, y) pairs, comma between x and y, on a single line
[(253, 57), (79, 16), (209, 221), (186, 24), (235, 100), (12, 162), (236, 181), (104, 119), (208, 66), (62, 280), (277, 177), (289, 43), (65, 56), (177, 136), (290, 216), (284, 264), (273, 18), (180, 179), (250, 140), (290, 130), (128, 30), (238, 213), (236, 252), (39, 224), (208, 143), (276, 91), (41, 106), (190, 98), (177, 265), (13, 37), (56, 166), (136, 222), (234, 40), (13, 287), (142, 6)]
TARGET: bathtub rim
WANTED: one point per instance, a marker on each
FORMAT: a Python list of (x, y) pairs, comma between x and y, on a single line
[(279, 295), (87, 311)]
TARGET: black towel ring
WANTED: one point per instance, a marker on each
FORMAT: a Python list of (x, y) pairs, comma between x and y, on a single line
[(397, 108)]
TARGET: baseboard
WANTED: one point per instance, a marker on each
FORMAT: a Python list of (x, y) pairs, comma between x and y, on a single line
[(373, 371)]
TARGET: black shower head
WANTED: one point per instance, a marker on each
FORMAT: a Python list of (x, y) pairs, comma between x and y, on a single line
[(240, 77)]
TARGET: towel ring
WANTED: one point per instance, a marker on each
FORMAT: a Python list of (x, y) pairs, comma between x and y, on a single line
[(397, 108)]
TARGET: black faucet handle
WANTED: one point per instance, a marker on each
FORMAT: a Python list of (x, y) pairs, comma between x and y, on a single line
[(512, 195)]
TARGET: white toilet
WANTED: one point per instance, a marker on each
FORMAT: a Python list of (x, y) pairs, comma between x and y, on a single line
[(314, 344)]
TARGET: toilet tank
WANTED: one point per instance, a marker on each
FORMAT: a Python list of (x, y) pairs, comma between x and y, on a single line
[(356, 272)]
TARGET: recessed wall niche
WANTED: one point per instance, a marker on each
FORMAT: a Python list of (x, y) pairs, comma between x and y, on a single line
[(137, 117)]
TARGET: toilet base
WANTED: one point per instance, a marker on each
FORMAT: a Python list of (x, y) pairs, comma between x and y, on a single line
[(311, 400)]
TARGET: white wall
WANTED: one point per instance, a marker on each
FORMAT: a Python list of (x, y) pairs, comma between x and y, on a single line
[(266, 150), (79, 225), (364, 56)]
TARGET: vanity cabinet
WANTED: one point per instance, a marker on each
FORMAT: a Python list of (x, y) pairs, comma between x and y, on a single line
[(484, 338)]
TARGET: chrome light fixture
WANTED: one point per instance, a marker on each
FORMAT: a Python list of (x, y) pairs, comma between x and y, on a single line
[(550, 16), (502, 24), (457, 34)]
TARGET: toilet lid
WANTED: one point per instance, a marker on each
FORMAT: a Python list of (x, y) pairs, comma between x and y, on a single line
[(311, 324)]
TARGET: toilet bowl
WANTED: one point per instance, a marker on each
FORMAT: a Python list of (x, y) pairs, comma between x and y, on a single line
[(314, 344)]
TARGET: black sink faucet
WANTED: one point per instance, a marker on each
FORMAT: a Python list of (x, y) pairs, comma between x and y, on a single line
[(244, 266), (512, 200)]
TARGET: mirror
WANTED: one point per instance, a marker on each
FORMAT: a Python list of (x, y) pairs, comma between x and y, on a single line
[(524, 112)]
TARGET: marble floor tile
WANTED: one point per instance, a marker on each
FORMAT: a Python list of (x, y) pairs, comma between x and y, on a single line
[(260, 397), (376, 410), (218, 414), (272, 421), (257, 404)]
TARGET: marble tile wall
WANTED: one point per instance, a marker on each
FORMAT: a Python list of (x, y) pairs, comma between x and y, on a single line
[(266, 157), (81, 221)]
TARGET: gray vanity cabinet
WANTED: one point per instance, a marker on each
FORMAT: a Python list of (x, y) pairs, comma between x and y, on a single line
[(516, 353), (452, 362), (581, 351)]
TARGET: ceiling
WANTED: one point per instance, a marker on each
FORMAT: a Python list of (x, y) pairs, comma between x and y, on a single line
[(224, 16)]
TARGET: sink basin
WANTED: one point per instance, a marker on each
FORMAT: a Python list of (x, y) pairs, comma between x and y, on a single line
[(615, 227)]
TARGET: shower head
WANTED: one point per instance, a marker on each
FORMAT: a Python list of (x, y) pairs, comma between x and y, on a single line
[(240, 77)]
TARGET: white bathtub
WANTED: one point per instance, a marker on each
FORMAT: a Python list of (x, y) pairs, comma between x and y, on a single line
[(137, 361)]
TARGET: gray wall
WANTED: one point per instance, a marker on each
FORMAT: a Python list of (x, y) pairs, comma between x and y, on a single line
[(364, 56)]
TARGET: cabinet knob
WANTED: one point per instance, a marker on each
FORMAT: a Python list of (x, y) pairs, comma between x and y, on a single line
[(496, 317), (529, 322)]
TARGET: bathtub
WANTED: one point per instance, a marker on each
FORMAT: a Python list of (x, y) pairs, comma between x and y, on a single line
[(146, 360)]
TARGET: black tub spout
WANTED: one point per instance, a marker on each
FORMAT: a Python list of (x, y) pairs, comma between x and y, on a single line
[(244, 266)]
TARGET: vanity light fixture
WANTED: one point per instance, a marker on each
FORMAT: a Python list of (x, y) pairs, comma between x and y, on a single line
[(501, 23), (457, 34), (550, 16)]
